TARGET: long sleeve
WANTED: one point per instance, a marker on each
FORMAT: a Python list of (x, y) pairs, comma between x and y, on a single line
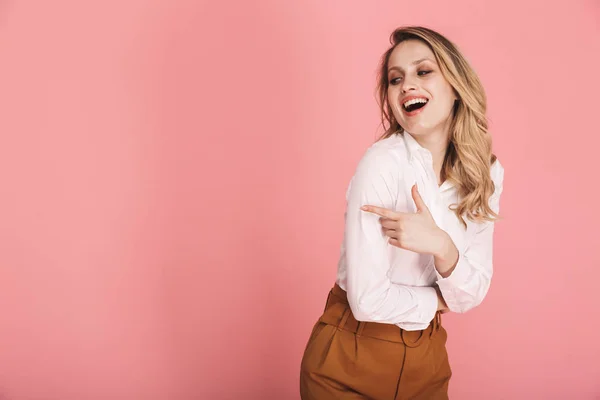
[(371, 294), (469, 282)]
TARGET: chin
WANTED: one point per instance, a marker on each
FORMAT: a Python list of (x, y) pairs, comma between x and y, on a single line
[(425, 127), (417, 129)]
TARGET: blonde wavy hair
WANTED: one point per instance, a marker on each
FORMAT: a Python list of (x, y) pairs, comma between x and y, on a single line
[(469, 155)]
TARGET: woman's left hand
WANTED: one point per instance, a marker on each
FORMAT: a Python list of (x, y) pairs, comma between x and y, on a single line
[(417, 232)]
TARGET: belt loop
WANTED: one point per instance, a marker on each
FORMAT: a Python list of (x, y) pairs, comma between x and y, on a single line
[(361, 326), (347, 312), (435, 324)]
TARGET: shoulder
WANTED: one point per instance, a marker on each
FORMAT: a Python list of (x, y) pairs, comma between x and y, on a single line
[(384, 155), (378, 170)]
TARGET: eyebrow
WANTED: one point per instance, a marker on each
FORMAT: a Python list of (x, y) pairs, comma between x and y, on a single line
[(419, 61)]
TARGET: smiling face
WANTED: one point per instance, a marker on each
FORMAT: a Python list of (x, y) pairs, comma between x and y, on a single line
[(420, 97)]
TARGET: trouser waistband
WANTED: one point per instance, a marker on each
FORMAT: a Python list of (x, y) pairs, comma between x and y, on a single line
[(338, 313)]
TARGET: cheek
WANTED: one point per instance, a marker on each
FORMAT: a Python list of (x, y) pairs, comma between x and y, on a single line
[(392, 94), (393, 98), (444, 94)]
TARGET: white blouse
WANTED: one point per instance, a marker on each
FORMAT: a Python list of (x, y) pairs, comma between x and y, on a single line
[(391, 285)]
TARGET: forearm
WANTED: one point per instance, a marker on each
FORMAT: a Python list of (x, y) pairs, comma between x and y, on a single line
[(387, 302), (465, 288), (464, 277)]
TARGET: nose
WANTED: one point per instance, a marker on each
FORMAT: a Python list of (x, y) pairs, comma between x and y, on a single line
[(408, 84)]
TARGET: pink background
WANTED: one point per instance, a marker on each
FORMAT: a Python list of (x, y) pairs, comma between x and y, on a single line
[(172, 178)]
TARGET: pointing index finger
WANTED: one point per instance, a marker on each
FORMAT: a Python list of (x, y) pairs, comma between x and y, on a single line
[(384, 212)]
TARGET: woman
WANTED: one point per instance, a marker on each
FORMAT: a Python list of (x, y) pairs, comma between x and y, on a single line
[(418, 232)]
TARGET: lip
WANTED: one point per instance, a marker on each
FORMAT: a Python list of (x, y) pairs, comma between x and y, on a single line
[(415, 112)]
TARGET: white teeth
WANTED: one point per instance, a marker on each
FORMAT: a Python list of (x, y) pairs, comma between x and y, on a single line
[(414, 101)]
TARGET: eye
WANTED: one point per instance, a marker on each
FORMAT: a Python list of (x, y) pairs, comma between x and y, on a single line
[(395, 81), (422, 73)]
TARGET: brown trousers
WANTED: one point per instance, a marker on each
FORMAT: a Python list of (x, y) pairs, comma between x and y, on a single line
[(348, 359)]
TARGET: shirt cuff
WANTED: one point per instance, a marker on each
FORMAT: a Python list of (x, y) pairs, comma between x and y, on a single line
[(455, 280), (458, 276)]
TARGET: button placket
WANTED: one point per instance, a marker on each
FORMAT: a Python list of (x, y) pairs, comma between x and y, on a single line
[(433, 188)]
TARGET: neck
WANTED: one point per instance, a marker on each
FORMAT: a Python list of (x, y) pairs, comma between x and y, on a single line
[(437, 144)]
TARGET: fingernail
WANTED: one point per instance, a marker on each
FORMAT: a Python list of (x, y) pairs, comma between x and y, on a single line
[(364, 208)]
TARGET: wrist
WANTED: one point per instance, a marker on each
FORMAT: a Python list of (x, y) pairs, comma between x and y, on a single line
[(442, 244), (446, 255)]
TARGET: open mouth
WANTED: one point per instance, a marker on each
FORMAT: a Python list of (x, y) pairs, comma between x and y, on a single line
[(414, 104)]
